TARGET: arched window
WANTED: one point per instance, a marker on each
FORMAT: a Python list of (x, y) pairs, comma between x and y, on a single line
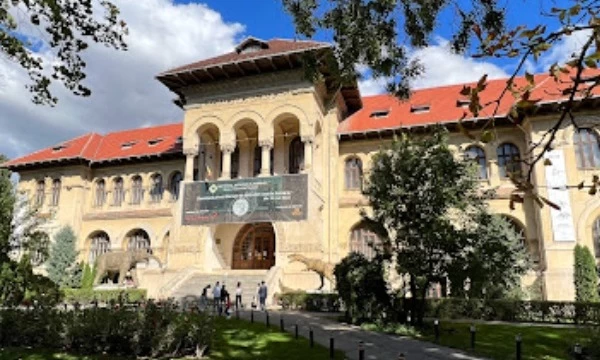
[(100, 244), (175, 184), (587, 149), (156, 191), (137, 191), (118, 192), (364, 241), (56, 185), (139, 240), (509, 160), (477, 155), (235, 163), (296, 156), (596, 236), (100, 193), (40, 193), (353, 173)]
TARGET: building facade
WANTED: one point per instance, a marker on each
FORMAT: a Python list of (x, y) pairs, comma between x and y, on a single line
[(267, 164)]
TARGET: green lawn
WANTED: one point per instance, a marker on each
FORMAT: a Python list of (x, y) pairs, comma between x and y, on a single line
[(234, 339)]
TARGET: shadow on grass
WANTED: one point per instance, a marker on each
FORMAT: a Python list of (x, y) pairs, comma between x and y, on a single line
[(238, 339), (38, 354)]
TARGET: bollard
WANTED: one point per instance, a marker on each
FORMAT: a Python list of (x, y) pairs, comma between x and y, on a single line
[(252, 316), (361, 351), (518, 340), (436, 328), (296, 331), (331, 348), (578, 351), (401, 356), (267, 318), (472, 337), (311, 337), (281, 324)]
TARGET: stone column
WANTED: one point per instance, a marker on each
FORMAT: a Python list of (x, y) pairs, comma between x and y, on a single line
[(227, 150), (190, 156), (308, 146), (265, 159)]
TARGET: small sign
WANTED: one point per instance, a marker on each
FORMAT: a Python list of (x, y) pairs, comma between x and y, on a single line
[(558, 193)]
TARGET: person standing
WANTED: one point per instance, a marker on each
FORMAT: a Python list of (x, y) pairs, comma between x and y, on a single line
[(217, 297), (224, 300), (204, 298), (238, 296), (262, 295)]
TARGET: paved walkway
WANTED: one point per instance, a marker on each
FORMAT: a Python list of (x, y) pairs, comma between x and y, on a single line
[(377, 346)]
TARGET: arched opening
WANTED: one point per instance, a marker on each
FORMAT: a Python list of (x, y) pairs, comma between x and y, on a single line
[(587, 148), (289, 149), (100, 198), (243, 162), (118, 191), (99, 244), (208, 162), (175, 184), (157, 188), (137, 190), (138, 239), (254, 247), (596, 236), (364, 241), (476, 155), (509, 160), (353, 173), (296, 156)]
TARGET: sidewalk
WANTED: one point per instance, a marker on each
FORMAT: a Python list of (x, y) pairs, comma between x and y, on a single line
[(377, 346)]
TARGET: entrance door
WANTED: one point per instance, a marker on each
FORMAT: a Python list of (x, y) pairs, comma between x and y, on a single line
[(254, 247)]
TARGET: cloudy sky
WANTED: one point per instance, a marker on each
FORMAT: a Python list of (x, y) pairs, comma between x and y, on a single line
[(164, 34)]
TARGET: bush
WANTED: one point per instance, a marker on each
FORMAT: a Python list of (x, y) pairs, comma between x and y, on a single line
[(87, 296), (150, 331), (310, 302), (362, 287), (585, 275), (87, 279)]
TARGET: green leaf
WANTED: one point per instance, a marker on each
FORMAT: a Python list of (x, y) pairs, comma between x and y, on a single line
[(487, 136), (529, 77)]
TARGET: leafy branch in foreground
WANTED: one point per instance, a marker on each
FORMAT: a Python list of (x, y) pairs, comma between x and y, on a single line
[(63, 27)]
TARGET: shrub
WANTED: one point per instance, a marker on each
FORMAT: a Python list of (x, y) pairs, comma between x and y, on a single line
[(310, 302), (87, 279), (86, 296), (585, 275), (362, 287)]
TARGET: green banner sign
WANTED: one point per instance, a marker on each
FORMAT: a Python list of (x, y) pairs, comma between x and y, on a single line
[(275, 198)]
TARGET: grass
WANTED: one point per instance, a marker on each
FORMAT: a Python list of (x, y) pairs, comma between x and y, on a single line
[(497, 341), (234, 340)]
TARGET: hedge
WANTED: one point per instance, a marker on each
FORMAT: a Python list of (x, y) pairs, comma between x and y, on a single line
[(310, 302), (86, 296), (147, 331), (515, 310)]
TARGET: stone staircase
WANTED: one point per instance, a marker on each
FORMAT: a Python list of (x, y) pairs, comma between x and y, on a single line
[(249, 278)]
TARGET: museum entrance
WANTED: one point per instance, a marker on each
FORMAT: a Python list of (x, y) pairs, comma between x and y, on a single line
[(254, 247)]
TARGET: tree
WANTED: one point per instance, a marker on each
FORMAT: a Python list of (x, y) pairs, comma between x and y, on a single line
[(585, 275), (7, 203), (64, 26), (26, 236), (437, 219), (62, 266), (377, 34)]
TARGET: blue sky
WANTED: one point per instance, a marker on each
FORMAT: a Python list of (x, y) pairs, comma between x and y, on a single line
[(168, 33)]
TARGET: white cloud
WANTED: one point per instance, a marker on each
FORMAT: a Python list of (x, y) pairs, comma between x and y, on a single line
[(563, 51), (125, 93)]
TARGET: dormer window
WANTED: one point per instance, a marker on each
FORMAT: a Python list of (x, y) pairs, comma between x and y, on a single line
[(59, 148), (463, 103), (179, 140), (419, 109), (154, 142), (251, 45), (377, 114), (127, 145)]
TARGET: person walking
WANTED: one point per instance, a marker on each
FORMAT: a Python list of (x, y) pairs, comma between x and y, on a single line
[(255, 297), (224, 300), (217, 297), (204, 298), (238, 296), (262, 295)]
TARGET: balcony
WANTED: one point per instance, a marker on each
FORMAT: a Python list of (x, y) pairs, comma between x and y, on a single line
[(134, 202)]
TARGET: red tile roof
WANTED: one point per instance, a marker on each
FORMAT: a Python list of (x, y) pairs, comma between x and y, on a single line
[(95, 148), (443, 104), (273, 47)]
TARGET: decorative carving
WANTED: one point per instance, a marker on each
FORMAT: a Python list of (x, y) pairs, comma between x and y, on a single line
[(307, 139), (121, 262), (325, 270), (190, 152), (228, 148), (266, 142)]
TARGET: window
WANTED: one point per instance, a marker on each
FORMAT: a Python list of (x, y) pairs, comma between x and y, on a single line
[(420, 109), (137, 191), (596, 236), (296, 156), (176, 179), (139, 240), (353, 174), (364, 241), (587, 149), (156, 192), (377, 114), (100, 244), (56, 185), (509, 160), (118, 192), (477, 155), (100, 193), (40, 193)]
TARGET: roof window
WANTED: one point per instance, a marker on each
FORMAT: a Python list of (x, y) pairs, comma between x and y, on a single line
[(179, 140), (377, 114), (419, 109), (127, 145), (463, 102), (58, 148), (154, 142)]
